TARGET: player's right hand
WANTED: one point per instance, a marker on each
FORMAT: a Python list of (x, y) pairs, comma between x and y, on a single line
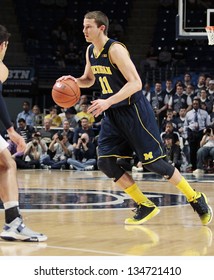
[(66, 78), (17, 139)]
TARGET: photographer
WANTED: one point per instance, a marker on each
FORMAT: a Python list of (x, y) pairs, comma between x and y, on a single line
[(205, 151), (33, 153), (84, 153), (62, 149)]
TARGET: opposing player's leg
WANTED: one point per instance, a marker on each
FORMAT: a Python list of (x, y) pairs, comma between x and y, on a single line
[(14, 228)]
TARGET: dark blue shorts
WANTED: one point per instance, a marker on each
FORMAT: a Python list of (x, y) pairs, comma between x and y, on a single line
[(129, 129)]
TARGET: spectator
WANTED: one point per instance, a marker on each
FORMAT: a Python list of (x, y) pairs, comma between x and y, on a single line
[(201, 83), (184, 144), (38, 116), (26, 131), (168, 118), (208, 78), (67, 130), (212, 116), (18, 156), (83, 113), (33, 154), (12, 147), (54, 117), (190, 92), (178, 100), (204, 99), (159, 102), (83, 99), (187, 80), (84, 155), (169, 89), (169, 129), (69, 115), (84, 128), (196, 121), (210, 91), (62, 149), (147, 91), (46, 132), (173, 151), (26, 114), (205, 151)]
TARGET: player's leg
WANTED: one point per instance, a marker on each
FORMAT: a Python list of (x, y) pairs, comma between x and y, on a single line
[(150, 152), (197, 200), (14, 228), (115, 144), (146, 209)]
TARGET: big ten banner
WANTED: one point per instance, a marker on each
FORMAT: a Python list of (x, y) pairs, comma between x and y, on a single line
[(21, 82)]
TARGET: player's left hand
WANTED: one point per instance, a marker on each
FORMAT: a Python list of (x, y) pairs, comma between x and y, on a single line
[(98, 106), (17, 139)]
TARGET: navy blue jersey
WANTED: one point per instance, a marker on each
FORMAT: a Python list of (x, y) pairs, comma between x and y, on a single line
[(108, 76), (129, 125)]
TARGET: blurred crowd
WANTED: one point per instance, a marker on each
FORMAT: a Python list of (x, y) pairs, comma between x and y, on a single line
[(60, 138)]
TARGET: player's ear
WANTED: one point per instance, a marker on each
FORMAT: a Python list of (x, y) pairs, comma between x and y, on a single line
[(102, 27)]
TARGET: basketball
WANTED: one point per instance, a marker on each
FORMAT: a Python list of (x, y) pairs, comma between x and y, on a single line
[(66, 93)]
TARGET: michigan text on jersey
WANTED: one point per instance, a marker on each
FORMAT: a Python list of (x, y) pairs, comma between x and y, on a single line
[(98, 69)]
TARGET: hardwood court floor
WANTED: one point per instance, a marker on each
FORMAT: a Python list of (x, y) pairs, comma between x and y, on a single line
[(83, 214)]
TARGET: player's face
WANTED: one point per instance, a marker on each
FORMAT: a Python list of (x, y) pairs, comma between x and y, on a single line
[(3, 48), (90, 30)]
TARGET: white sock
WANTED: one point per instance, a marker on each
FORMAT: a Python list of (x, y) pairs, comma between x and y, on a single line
[(10, 204)]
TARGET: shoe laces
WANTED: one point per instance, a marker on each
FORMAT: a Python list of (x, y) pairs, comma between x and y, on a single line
[(199, 205), (139, 206)]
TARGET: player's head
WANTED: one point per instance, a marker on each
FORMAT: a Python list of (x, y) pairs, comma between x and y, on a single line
[(4, 37), (4, 34), (100, 19)]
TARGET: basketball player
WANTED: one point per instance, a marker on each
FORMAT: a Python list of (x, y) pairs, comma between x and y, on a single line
[(14, 228), (129, 122)]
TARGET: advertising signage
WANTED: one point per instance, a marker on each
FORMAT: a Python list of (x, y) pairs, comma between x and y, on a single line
[(21, 80)]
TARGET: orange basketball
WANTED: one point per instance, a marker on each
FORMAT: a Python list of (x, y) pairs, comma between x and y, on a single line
[(66, 93)]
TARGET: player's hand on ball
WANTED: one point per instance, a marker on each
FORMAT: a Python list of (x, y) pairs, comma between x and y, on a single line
[(66, 78)]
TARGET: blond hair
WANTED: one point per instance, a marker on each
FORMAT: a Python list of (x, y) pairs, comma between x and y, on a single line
[(100, 19)]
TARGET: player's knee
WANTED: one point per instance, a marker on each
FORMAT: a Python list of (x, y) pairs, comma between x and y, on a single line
[(110, 167), (162, 168)]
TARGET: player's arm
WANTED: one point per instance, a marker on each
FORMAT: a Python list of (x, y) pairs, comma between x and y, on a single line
[(5, 118), (120, 56)]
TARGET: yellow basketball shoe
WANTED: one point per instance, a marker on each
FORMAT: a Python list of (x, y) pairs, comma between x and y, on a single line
[(144, 212), (200, 205)]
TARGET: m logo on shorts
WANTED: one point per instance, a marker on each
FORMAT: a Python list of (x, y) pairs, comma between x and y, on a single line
[(148, 156)]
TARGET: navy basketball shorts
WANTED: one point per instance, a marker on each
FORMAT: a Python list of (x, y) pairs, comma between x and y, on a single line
[(129, 129)]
